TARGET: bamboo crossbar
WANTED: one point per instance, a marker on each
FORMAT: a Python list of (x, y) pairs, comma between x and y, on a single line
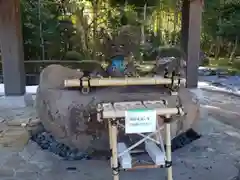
[(98, 82), (159, 111), (145, 166)]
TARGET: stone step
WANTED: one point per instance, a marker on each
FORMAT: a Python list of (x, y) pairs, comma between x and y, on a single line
[(155, 153), (126, 159), (14, 138)]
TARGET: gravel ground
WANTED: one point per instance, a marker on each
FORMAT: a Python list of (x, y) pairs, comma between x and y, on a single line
[(214, 156)]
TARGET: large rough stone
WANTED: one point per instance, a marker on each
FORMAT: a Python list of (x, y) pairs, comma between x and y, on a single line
[(59, 109), (65, 113)]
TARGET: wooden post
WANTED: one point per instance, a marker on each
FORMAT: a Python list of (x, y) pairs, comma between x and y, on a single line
[(194, 37), (191, 33), (12, 48), (185, 26)]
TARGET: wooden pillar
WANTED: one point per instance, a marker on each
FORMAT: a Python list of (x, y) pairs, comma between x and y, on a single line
[(11, 45), (192, 48), (185, 26)]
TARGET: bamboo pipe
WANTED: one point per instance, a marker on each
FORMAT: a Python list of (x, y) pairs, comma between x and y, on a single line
[(97, 82)]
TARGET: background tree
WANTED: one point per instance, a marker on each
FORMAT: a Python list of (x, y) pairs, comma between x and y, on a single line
[(79, 29)]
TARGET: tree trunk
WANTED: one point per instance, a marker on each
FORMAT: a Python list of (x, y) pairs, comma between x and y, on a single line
[(211, 49), (218, 47), (175, 22), (229, 49), (234, 49), (41, 30), (143, 24), (95, 16)]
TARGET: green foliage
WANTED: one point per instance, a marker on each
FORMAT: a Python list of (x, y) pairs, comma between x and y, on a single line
[(131, 16), (221, 23), (41, 27), (230, 13), (170, 52), (83, 29), (73, 55), (137, 3), (162, 51), (204, 61), (89, 65)]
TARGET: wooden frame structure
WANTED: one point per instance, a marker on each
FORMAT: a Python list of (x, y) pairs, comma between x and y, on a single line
[(161, 158), (117, 116), (11, 43)]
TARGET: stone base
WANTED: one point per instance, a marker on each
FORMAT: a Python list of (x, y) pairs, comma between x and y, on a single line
[(16, 101)]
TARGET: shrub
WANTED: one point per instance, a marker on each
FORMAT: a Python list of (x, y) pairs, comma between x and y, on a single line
[(73, 55)]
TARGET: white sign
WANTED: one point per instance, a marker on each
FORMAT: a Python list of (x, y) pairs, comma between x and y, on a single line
[(140, 121)]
